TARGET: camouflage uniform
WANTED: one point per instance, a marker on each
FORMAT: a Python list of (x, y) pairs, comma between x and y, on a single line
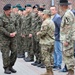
[(46, 36), (23, 30), (18, 19), (67, 34), (36, 26), (27, 31), (19, 38), (8, 44)]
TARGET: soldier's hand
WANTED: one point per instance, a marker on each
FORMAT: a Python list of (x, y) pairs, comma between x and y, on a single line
[(23, 35), (30, 35), (66, 44), (13, 34), (38, 33)]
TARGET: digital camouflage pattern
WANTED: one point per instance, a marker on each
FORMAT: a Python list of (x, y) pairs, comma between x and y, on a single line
[(46, 35)]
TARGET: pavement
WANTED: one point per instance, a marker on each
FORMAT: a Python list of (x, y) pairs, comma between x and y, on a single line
[(25, 68)]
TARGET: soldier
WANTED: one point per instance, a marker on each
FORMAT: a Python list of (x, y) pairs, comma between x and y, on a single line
[(46, 35), (8, 39), (67, 36), (36, 25), (27, 31)]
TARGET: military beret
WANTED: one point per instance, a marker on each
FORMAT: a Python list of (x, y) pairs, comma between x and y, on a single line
[(48, 12), (41, 9), (18, 6), (7, 7), (13, 6), (28, 5), (21, 9), (35, 6)]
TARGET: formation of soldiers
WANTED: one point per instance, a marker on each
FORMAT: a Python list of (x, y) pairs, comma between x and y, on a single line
[(31, 29)]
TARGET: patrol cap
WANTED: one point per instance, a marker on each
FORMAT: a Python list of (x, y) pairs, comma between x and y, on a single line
[(7, 7), (41, 9), (28, 5), (48, 12)]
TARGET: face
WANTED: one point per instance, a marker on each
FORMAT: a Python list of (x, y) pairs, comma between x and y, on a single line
[(15, 10), (20, 12), (35, 10), (8, 12), (53, 10), (44, 16), (40, 13), (28, 9), (24, 12), (61, 7)]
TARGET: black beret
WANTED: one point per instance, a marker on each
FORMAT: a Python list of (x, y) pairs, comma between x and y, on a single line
[(35, 7), (41, 9), (7, 7)]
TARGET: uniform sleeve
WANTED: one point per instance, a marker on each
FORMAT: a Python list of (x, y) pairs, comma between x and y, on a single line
[(43, 30), (69, 24), (3, 30)]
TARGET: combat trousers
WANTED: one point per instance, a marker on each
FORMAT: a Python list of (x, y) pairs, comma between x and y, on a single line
[(29, 47), (46, 51), (68, 56), (36, 49), (9, 52)]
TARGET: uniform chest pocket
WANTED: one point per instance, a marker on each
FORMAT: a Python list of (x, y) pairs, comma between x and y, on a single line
[(5, 23)]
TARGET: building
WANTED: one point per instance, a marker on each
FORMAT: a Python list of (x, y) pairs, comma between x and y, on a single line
[(48, 3)]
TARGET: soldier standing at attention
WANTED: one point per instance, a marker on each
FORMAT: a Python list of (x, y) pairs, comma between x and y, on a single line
[(36, 25), (27, 34), (67, 36), (46, 35), (8, 40)]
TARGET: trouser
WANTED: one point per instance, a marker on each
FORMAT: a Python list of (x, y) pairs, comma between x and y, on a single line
[(69, 59), (47, 54), (19, 46), (9, 52), (57, 53), (36, 49), (29, 47), (74, 49)]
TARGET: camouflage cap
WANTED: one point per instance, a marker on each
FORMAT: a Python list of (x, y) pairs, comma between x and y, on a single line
[(48, 12)]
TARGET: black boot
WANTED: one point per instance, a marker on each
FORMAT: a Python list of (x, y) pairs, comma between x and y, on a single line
[(41, 65), (12, 70), (7, 71), (28, 59), (35, 63)]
